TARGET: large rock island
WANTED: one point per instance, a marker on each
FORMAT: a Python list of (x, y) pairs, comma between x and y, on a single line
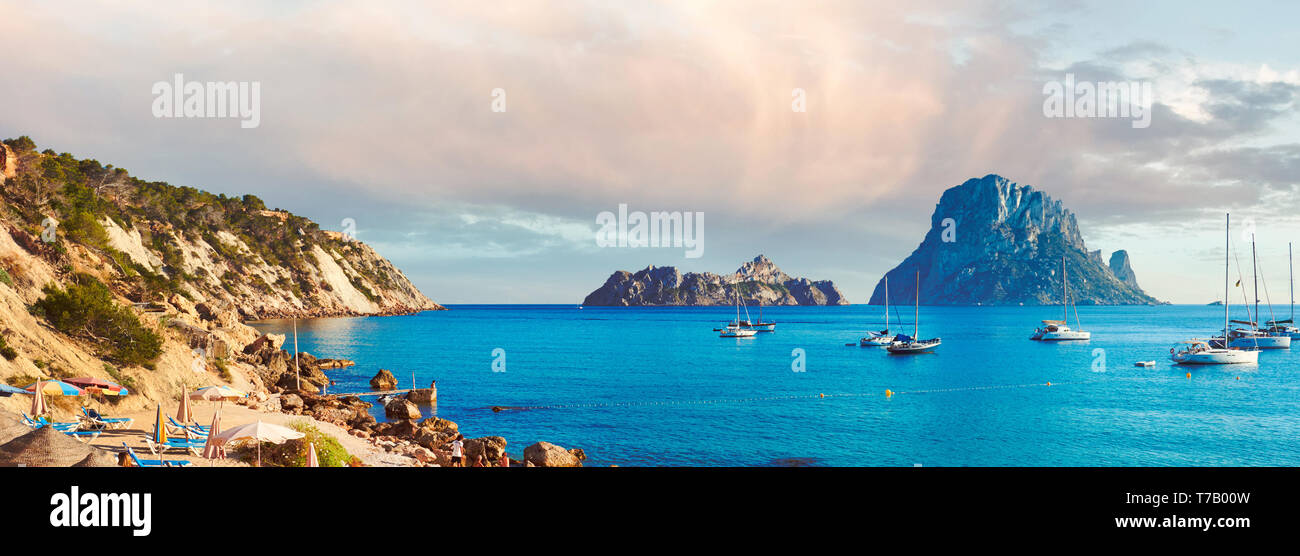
[(995, 242), (757, 281)]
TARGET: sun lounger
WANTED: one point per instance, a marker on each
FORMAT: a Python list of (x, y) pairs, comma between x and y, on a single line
[(101, 421), (153, 462), (193, 446), (193, 428)]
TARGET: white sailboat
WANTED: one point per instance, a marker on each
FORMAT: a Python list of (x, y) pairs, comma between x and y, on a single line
[(882, 338), (905, 345), (1254, 337), (1199, 352), (1287, 327), (735, 329), (1056, 330)]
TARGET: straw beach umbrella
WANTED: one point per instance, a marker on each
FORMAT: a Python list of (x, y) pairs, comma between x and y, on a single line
[(46, 447), (258, 432), (11, 427), (312, 460)]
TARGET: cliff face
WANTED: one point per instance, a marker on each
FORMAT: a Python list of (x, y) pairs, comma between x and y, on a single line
[(757, 281), (1004, 246), (156, 241), (188, 265)]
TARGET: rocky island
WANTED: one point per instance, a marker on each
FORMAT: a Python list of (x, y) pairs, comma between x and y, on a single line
[(995, 242), (757, 281)]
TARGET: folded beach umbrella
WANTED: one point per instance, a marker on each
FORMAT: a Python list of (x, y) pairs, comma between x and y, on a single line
[(183, 414), (159, 428), (54, 388), (312, 460), (98, 386), (259, 432), (38, 402), (213, 449)]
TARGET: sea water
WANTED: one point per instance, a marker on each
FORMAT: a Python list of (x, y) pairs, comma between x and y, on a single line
[(657, 386)]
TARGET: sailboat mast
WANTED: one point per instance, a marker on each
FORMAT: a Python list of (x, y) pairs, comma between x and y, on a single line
[(1254, 271), (886, 302), (1065, 288), (916, 320), (1291, 264), (1227, 236)]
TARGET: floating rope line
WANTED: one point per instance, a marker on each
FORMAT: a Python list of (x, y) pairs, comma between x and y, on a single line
[(886, 394)]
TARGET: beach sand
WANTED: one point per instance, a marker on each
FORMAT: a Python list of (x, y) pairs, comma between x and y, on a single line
[(234, 415)]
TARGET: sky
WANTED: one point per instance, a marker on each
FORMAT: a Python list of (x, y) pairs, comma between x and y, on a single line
[(390, 114)]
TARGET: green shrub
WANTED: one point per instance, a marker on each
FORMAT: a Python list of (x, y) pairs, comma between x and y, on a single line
[(5, 278), (294, 452), (21, 380), (86, 309), (6, 350), (118, 377)]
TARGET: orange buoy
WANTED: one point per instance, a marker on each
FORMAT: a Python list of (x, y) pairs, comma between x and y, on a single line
[(889, 393), (1189, 375), (823, 395), (1049, 383)]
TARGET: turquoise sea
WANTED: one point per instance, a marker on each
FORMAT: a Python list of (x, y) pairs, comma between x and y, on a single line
[(655, 386)]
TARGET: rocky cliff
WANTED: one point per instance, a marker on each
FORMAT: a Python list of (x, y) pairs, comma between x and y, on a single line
[(156, 241), (757, 281), (147, 284), (995, 242)]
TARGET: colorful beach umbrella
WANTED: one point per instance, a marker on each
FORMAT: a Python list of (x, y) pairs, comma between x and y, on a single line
[(312, 460), (54, 388), (98, 386), (213, 449), (7, 390), (159, 428), (38, 402), (259, 432)]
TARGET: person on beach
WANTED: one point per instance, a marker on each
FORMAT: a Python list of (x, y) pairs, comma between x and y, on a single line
[(478, 461), (505, 460), (457, 451)]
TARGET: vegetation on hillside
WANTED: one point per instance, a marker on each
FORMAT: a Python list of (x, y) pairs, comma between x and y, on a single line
[(86, 309)]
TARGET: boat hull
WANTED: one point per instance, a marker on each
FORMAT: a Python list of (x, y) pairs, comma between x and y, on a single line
[(1262, 342), (1062, 336), (913, 347), (1217, 357), (879, 341)]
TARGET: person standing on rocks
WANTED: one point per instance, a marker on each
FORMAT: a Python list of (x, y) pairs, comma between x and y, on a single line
[(457, 451)]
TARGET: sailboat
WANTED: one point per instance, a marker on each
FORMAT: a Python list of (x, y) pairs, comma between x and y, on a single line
[(908, 345), (1199, 352), (1254, 336), (882, 338), (735, 329), (1287, 327), (1056, 330), (759, 326)]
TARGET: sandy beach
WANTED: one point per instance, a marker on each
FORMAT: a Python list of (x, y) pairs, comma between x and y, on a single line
[(234, 415)]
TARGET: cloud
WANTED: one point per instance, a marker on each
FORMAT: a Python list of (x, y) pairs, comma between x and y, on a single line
[(382, 112)]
